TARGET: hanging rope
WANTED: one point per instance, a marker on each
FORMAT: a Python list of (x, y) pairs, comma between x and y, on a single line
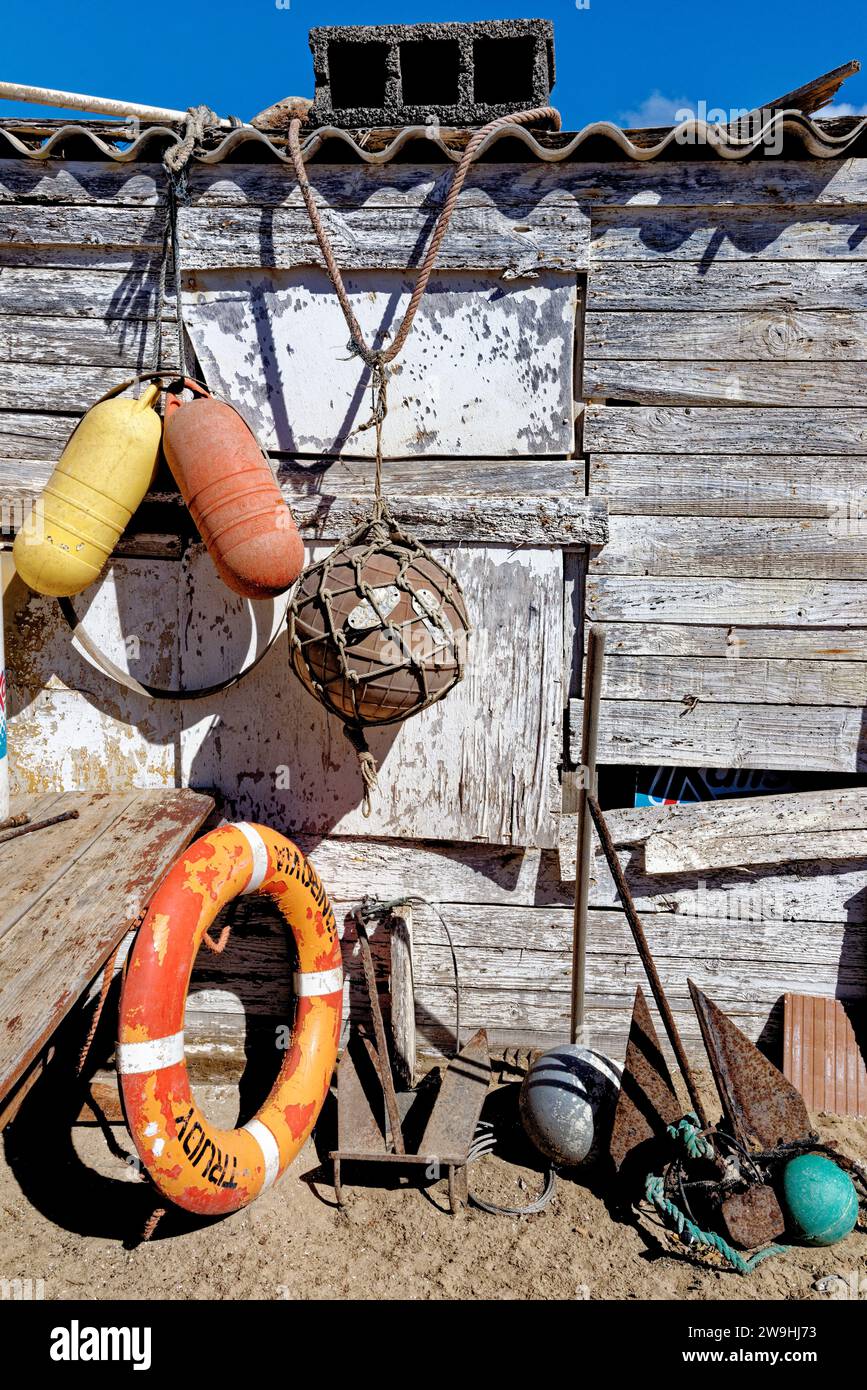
[(337, 682), (358, 344), (366, 764), (378, 359), (107, 977), (176, 162)]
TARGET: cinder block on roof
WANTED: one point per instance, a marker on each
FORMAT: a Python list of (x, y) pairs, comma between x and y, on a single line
[(415, 74)]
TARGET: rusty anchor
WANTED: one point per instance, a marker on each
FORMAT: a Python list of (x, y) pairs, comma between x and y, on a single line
[(373, 1116), (764, 1117)]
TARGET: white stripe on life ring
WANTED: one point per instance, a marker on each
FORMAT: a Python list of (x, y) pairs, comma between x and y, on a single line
[(260, 854), (270, 1151), (153, 1055), (310, 982)]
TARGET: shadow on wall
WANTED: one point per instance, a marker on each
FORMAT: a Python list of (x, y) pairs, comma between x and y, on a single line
[(174, 624)]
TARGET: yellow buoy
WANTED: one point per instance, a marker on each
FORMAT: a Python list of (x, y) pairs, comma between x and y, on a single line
[(102, 476)]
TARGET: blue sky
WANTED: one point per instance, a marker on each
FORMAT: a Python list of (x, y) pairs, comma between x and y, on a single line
[(630, 61)]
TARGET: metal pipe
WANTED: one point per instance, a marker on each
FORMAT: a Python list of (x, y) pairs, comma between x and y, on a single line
[(647, 960), (593, 671), (37, 825), (379, 1034), (99, 106)]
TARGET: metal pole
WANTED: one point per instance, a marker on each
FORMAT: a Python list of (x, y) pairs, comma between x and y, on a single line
[(647, 960), (593, 672), (14, 832), (99, 106)]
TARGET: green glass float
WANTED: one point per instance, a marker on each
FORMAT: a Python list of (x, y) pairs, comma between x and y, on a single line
[(820, 1200)]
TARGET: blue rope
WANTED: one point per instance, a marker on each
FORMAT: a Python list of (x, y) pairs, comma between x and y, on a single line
[(687, 1133)]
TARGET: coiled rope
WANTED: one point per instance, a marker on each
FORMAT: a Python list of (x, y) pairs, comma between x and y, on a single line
[(687, 1133)]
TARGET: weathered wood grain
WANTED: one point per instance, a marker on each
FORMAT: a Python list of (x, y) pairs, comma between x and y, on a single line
[(537, 1023), (667, 855), (650, 732), (545, 933), (737, 547), (513, 972), (730, 234), (131, 263), (397, 186), (457, 875), (515, 967), (761, 830), (81, 341), (499, 238), (803, 890), (682, 286), (746, 815), (448, 873), (747, 335), (48, 387), (129, 612), (519, 521), (751, 602), (482, 764), (30, 877), (61, 738), (87, 182), (736, 643), (727, 383), (484, 519), (486, 371), (707, 183), (423, 477), (79, 292), (33, 435), (86, 227), (710, 183), (687, 430), (726, 681), (402, 994), (711, 485), (63, 935), (30, 442)]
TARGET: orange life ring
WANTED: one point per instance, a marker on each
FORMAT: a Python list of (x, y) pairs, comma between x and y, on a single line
[(195, 1165)]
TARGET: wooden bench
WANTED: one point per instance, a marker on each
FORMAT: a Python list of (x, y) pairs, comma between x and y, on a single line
[(68, 894)]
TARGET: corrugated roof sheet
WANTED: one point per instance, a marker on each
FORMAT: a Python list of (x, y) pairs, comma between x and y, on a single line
[(787, 134)]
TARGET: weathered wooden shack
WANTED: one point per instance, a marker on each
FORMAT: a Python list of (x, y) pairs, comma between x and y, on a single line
[(635, 396)]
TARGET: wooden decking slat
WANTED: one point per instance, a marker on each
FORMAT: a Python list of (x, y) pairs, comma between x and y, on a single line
[(61, 936), (32, 867)]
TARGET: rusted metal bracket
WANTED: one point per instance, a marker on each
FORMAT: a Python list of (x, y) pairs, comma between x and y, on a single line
[(371, 1112), (450, 1129), (646, 956), (385, 1077)]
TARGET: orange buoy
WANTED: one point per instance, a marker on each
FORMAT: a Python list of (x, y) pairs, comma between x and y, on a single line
[(195, 1165), (227, 483)]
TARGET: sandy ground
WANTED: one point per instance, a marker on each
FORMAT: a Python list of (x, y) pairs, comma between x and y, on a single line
[(72, 1208)]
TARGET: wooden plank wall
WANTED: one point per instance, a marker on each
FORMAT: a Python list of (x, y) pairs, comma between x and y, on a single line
[(725, 365), (726, 429)]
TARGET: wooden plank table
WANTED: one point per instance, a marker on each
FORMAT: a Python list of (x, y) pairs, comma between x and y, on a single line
[(68, 895)]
